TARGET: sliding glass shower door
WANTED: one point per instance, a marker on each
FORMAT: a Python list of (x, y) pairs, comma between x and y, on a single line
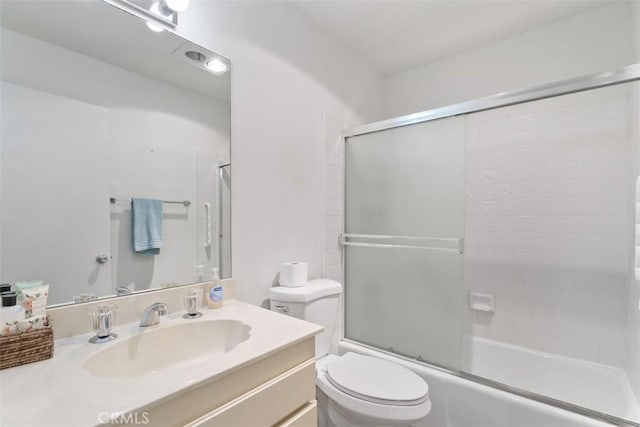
[(504, 243), (404, 223)]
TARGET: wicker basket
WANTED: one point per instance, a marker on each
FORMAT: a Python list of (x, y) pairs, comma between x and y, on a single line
[(27, 347)]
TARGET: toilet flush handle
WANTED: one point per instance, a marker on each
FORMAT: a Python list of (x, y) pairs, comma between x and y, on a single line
[(282, 308)]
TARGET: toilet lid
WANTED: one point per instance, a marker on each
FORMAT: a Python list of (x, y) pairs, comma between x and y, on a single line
[(377, 380)]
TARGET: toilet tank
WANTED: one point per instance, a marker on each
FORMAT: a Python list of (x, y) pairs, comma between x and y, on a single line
[(317, 302)]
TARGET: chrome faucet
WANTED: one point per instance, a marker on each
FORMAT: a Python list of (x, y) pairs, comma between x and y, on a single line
[(151, 315)]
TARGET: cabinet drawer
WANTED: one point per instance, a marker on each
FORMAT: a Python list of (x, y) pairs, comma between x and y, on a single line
[(198, 402), (268, 403), (305, 417)]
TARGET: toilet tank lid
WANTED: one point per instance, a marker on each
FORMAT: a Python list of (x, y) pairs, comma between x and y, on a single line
[(313, 290)]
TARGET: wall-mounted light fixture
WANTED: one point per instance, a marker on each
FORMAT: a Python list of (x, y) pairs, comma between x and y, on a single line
[(176, 5), (160, 15)]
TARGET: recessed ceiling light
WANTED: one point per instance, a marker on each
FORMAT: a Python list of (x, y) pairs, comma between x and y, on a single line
[(217, 66), (195, 55)]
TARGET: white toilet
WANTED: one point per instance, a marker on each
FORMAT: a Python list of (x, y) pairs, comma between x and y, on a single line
[(353, 390)]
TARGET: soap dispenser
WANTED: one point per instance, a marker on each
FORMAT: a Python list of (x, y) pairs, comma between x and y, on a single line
[(215, 292)]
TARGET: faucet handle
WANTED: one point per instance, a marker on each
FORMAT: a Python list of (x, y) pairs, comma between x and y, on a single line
[(192, 301), (103, 317), (161, 308)]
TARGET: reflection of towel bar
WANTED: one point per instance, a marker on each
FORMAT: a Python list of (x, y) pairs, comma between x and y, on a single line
[(185, 203), (435, 241)]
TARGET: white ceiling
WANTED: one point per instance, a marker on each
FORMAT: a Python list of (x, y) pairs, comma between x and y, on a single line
[(394, 35), (100, 31)]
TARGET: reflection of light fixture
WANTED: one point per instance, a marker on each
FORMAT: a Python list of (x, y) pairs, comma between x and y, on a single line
[(156, 9), (217, 66), (166, 9), (160, 9), (162, 15), (154, 27), (176, 5)]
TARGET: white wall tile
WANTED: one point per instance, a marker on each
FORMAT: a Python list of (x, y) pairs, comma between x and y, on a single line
[(566, 222), (332, 187)]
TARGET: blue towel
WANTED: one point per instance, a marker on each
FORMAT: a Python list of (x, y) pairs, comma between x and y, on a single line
[(146, 226)]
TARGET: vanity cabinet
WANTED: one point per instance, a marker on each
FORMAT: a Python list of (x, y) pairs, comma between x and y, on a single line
[(276, 390)]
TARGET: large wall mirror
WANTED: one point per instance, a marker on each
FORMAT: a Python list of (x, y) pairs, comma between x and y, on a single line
[(91, 118)]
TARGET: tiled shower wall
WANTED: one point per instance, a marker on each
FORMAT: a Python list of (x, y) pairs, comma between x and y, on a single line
[(632, 362), (548, 220), (548, 223), (332, 184), (332, 189)]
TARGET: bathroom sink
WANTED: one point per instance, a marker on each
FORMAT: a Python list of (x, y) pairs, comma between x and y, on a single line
[(153, 349)]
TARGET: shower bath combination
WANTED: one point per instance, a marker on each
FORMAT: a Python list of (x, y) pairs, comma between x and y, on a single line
[(499, 236)]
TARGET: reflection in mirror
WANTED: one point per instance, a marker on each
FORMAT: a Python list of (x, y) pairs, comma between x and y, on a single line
[(91, 118)]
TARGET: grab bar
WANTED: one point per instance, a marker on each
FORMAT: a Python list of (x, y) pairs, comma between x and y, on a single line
[(207, 213), (434, 243)]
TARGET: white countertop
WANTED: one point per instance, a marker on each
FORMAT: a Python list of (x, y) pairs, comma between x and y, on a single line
[(59, 392)]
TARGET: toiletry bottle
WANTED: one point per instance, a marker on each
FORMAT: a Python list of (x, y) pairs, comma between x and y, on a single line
[(199, 273), (10, 312), (215, 291)]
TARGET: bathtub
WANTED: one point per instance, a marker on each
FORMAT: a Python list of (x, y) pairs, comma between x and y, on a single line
[(592, 385), (459, 402)]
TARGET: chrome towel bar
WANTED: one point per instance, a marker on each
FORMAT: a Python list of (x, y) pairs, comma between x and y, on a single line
[(185, 203)]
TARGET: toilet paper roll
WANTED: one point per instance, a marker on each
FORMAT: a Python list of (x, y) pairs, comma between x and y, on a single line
[(293, 274)]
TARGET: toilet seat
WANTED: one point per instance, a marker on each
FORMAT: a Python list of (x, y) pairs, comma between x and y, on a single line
[(366, 396), (377, 380)]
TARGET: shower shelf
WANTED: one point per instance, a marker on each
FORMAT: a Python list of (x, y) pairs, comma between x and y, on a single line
[(453, 245)]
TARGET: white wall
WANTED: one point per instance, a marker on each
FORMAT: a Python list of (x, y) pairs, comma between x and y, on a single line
[(597, 40), (285, 75), (156, 132)]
